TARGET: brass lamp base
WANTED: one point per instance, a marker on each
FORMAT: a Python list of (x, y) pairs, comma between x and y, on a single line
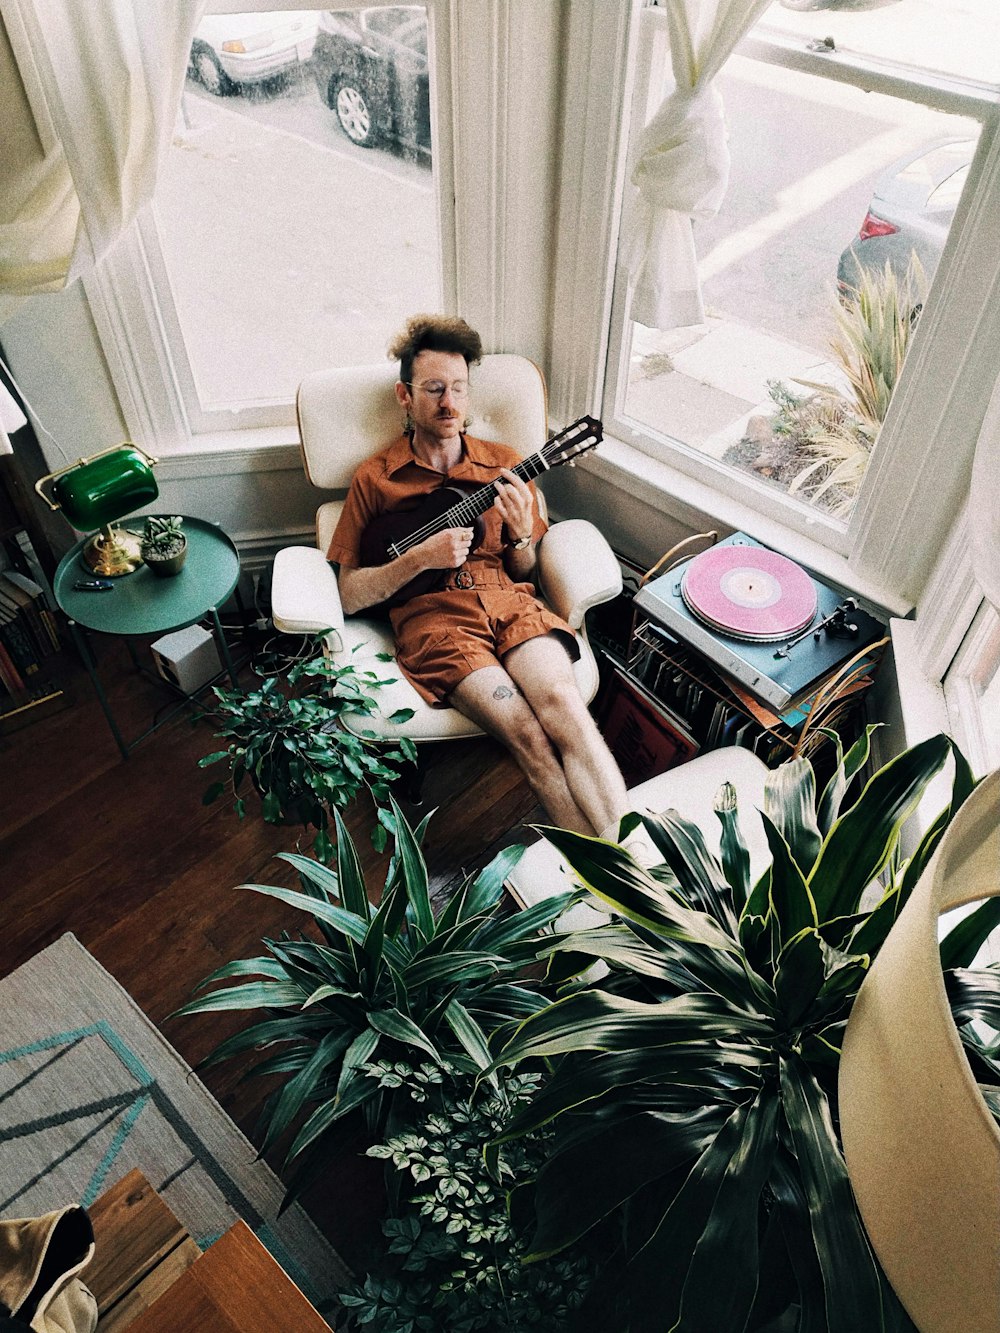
[(112, 552)]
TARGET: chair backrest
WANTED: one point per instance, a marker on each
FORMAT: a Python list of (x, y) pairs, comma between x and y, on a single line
[(349, 413)]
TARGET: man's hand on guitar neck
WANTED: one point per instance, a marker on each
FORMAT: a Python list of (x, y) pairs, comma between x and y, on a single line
[(370, 585)]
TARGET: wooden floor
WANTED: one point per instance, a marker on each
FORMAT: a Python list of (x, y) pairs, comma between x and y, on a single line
[(125, 855)]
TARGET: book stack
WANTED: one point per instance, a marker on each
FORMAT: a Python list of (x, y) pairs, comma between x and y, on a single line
[(29, 639)]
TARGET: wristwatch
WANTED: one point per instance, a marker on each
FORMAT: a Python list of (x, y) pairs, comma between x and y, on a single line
[(520, 543)]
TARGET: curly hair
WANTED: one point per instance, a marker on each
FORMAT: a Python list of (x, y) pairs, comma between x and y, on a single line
[(434, 333)]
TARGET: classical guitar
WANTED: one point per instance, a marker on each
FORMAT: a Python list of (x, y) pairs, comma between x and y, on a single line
[(392, 534)]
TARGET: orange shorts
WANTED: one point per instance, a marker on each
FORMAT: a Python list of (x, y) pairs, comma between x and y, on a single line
[(442, 637)]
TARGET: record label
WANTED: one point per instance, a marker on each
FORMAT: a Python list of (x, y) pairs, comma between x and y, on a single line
[(749, 592)]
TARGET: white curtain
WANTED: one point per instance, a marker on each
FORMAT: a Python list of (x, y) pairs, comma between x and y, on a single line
[(984, 504), (682, 165), (89, 91)]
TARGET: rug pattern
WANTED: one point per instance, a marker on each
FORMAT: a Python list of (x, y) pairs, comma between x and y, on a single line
[(89, 1089)]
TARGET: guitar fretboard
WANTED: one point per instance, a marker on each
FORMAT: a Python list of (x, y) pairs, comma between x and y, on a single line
[(562, 448)]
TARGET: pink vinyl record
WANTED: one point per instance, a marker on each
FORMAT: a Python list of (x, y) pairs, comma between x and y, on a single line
[(749, 592)]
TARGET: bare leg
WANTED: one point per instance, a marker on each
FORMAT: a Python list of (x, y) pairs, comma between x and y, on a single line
[(491, 698), (542, 668)]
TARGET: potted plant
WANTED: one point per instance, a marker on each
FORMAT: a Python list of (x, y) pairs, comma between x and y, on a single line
[(163, 546), (397, 982), (694, 1091), (288, 739)]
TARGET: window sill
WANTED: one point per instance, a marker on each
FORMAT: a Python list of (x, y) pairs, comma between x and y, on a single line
[(695, 504), (218, 453)]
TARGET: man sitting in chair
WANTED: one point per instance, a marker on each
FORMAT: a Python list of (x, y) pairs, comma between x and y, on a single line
[(480, 641)]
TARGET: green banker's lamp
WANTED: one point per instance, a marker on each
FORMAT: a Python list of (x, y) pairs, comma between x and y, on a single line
[(97, 491)]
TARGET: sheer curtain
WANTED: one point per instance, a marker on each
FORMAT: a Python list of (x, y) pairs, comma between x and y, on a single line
[(89, 91), (682, 164)]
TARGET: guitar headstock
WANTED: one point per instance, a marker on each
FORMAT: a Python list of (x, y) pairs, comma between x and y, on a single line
[(583, 434)]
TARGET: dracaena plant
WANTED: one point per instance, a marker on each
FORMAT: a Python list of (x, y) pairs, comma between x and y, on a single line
[(693, 1093), (288, 738), (397, 981)]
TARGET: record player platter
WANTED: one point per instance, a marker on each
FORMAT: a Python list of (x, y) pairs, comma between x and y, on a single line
[(749, 592)]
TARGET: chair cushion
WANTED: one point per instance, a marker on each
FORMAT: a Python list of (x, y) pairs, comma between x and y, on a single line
[(349, 413)]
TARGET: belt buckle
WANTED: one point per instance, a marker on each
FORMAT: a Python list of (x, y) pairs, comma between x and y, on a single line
[(464, 579)]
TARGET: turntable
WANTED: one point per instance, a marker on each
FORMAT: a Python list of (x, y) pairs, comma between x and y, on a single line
[(759, 617)]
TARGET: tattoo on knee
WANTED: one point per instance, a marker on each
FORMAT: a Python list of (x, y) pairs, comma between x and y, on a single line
[(504, 692)]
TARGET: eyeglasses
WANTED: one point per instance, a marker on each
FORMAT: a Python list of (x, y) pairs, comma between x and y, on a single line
[(435, 389)]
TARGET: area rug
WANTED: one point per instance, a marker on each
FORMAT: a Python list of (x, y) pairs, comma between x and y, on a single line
[(89, 1089)]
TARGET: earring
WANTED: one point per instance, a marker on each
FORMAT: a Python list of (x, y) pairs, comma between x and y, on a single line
[(407, 424)]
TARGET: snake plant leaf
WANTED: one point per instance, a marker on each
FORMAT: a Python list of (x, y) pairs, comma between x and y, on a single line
[(596, 1021), (860, 843), (617, 1162), (851, 1279), (790, 804), (697, 872), (612, 875), (732, 846), (254, 995), (730, 1235)]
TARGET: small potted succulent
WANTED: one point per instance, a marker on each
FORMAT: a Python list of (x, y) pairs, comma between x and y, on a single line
[(163, 546)]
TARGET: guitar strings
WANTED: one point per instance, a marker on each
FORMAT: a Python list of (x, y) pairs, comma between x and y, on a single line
[(467, 509)]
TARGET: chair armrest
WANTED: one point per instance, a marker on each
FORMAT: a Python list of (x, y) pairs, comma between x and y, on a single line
[(305, 598), (577, 569)]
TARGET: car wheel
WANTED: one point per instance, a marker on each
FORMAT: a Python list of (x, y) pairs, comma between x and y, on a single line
[(355, 114), (210, 73)]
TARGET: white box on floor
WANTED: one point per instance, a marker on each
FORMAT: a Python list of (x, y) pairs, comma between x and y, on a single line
[(188, 658)]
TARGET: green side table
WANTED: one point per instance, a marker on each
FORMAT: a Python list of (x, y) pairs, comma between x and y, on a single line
[(142, 603)]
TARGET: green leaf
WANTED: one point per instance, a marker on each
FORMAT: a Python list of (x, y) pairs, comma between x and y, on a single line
[(850, 1274), (254, 995), (353, 893), (396, 1025), (213, 758), (300, 1089), (729, 1240), (790, 804), (470, 1035), (597, 1021), (213, 793), (487, 887), (963, 942), (861, 841), (798, 975), (616, 1162), (611, 875), (698, 874), (847, 769), (792, 906), (733, 848), (345, 922), (414, 871)]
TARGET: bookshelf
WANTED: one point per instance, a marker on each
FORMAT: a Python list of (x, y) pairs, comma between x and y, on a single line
[(31, 635)]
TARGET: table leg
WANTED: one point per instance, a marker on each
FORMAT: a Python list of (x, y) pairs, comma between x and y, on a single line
[(89, 661), (224, 647)]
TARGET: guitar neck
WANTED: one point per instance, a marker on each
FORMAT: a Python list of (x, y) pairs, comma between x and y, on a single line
[(473, 505), (562, 448)]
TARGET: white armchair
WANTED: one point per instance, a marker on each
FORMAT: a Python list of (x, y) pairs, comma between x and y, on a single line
[(345, 415)]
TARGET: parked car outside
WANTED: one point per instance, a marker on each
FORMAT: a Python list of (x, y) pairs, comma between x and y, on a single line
[(371, 70), (231, 51), (910, 212)]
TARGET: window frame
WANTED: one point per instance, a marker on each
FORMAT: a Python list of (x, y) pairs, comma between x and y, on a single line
[(913, 493), (136, 317)]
